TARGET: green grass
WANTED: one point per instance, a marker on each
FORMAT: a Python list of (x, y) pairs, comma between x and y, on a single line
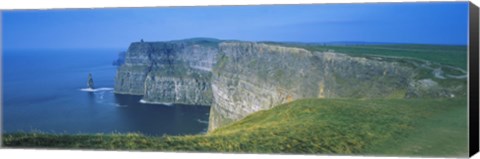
[(420, 127), (444, 54)]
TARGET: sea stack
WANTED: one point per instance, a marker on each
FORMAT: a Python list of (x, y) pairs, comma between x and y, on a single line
[(90, 81)]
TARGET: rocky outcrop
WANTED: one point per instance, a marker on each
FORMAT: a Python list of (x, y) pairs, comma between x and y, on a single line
[(250, 77), (90, 81), (168, 72), (240, 78)]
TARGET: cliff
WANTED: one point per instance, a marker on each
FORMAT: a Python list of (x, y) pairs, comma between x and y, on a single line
[(240, 78), (168, 72), (251, 77)]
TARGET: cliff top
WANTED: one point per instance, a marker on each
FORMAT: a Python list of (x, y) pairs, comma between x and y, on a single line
[(199, 41), (451, 55)]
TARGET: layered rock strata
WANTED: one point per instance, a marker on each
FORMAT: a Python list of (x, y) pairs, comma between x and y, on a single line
[(240, 78), (167, 72), (250, 77)]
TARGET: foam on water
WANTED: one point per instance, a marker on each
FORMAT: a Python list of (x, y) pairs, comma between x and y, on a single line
[(118, 105), (202, 121), (96, 89), (147, 102)]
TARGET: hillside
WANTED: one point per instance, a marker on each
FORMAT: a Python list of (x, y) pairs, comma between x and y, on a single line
[(237, 78), (406, 127), (453, 55)]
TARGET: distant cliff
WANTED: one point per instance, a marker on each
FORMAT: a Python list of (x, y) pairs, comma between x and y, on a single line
[(239, 78), (168, 72), (121, 59)]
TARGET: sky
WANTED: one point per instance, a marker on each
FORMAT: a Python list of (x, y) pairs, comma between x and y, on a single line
[(417, 23)]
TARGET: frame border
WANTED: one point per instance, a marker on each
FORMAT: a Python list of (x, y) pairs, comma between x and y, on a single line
[(473, 80)]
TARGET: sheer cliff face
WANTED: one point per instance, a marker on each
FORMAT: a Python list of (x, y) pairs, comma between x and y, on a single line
[(167, 72), (240, 78), (250, 77)]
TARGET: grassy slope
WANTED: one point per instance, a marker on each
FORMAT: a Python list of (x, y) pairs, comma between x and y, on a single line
[(444, 54), (428, 127)]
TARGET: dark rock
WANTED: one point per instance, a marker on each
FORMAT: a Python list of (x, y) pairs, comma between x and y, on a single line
[(90, 81)]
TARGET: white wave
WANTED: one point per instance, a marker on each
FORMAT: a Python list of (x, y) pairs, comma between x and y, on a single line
[(148, 102), (169, 104), (118, 105), (202, 121), (96, 89)]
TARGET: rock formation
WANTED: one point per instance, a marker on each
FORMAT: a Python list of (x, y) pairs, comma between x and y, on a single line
[(168, 72), (240, 78), (90, 81), (250, 77)]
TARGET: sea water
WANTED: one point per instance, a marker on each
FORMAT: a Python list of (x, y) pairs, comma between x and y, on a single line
[(45, 91)]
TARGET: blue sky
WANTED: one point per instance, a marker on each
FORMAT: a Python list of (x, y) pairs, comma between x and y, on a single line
[(424, 23)]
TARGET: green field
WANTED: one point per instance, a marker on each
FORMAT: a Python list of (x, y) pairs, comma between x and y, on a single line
[(444, 54), (406, 127)]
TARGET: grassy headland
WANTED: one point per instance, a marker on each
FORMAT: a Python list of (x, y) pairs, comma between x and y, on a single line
[(409, 127), (453, 55)]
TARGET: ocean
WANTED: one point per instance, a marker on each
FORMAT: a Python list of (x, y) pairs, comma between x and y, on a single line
[(44, 91)]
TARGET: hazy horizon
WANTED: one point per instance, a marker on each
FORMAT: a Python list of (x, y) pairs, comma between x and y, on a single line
[(330, 43), (432, 23)]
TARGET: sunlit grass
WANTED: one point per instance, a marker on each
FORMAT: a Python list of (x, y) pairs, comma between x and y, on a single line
[(443, 54), (419, 127)]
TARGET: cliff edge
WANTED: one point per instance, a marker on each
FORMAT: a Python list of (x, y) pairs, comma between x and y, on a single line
[(168, 72), (239, 78)]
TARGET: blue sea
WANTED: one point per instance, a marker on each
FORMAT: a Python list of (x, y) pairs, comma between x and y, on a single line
[(44, 91)]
